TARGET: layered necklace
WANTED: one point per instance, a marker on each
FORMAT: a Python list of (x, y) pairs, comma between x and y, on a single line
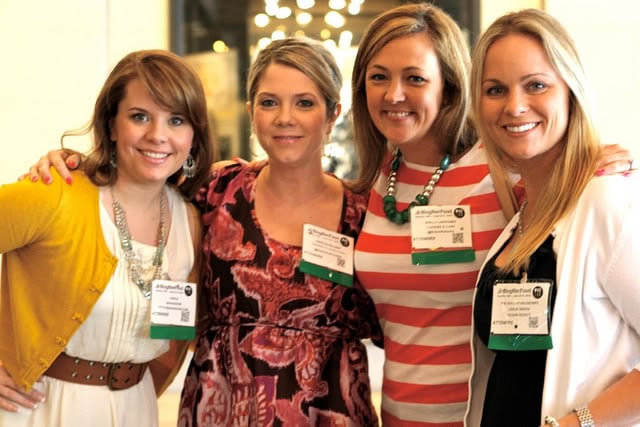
[(134, 264), (422, 198)]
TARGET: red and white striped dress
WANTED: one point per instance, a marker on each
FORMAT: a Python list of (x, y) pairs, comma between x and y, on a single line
[(425, 311)]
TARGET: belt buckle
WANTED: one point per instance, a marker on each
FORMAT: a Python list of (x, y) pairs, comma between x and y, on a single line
[(111, 377), (133, 375)]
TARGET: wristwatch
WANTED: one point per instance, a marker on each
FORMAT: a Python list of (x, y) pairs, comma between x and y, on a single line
[(549, 420), (584, 416)]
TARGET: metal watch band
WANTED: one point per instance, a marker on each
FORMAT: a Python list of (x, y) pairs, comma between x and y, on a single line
[(584, 416)]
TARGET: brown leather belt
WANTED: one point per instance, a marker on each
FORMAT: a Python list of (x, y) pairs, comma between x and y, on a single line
[(116, 376)]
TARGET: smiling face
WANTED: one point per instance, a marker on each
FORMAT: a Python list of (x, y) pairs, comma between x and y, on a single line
[(289, 116), (151, 142), (524, 103), (404, 87)]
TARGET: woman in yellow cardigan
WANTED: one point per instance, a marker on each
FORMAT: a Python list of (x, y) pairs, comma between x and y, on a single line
[(78, 261)]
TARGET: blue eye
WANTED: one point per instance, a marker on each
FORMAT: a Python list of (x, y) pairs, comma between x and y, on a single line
[(416, 79), (494, 91), (140, 117), (306, 103), (176, 120), (267, 103), (377, 77), (536, 86)]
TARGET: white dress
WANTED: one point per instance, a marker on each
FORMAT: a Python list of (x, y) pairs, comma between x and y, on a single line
[(117, 330)]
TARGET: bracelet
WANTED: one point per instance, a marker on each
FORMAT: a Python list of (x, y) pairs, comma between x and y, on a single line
[(551, 421), (584, 416)]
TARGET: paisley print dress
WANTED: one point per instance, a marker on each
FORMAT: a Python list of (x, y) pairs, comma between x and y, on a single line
[(276, 347)]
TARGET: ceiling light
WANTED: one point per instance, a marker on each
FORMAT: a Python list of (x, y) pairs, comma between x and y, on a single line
[(337, 4), (354, 8), (277, 35), (345, 39), (261, 20), (303, 18), (283, 13), (305, 4), (334, 19), (219, 46)]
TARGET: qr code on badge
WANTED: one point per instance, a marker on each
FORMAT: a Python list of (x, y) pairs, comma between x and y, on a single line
[(184, 315), (458, 237), (533, 322)]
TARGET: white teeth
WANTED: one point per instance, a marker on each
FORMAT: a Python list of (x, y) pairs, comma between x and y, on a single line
[(155, 155), (398, 113), (521, 128)]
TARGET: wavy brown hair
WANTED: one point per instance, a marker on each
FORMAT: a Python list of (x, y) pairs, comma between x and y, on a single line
[(173, 84)]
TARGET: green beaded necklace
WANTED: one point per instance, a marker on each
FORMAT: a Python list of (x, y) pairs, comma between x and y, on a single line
[(422, 199)]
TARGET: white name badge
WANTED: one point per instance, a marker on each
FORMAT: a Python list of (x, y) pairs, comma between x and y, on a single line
[(441, 234), (520, 308), (173, 309), (327, 254)]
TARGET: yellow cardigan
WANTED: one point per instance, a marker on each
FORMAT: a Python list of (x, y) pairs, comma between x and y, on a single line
[(55, 266)]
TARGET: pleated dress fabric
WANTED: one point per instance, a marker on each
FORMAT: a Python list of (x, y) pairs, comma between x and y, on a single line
[(117, 330)]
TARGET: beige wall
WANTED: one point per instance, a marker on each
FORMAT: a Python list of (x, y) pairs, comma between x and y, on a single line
[(55, 56)]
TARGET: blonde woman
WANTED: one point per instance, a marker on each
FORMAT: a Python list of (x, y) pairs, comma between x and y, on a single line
[(556, 325)]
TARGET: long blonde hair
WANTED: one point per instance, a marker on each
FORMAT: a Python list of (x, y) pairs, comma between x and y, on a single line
[(577, 161)]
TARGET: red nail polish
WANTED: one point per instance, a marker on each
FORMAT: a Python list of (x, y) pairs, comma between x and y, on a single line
[(34, 178), (47, 180), (627, 173), (600, 172), (71, 164), (68, 180)]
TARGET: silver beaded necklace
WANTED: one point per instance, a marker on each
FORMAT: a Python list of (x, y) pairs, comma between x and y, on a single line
[(134, 264), (422, 198)]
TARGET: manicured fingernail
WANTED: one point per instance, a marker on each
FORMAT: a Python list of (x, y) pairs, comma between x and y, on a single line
[(34, 178), (600, 172), (47, 180), (627, 173), (71, 163), (68, 180)]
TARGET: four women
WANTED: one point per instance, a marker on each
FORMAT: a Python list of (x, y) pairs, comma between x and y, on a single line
[(268, 355)]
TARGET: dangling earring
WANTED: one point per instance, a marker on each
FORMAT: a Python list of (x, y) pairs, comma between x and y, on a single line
[(113, 161), (189, 167)]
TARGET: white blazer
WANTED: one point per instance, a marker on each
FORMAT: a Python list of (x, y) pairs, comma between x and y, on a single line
[(596, 319)]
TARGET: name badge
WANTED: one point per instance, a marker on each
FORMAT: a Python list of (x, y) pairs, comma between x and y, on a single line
[(441, 234), (327, 254), (520, 315), (173, 310)]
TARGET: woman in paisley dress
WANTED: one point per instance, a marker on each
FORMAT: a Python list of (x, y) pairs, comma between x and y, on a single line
[(276, 346)]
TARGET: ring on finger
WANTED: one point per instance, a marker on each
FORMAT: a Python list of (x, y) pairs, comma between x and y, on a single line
[(631, 164)]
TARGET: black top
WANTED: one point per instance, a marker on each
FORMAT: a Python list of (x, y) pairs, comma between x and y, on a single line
[(514, 389)]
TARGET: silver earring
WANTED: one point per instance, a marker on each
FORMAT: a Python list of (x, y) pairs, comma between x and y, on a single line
[(189, 167), (113, 161)]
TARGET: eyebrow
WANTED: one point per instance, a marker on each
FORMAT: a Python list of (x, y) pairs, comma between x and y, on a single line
[(525, 77), (298, 95), (411, 68)]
